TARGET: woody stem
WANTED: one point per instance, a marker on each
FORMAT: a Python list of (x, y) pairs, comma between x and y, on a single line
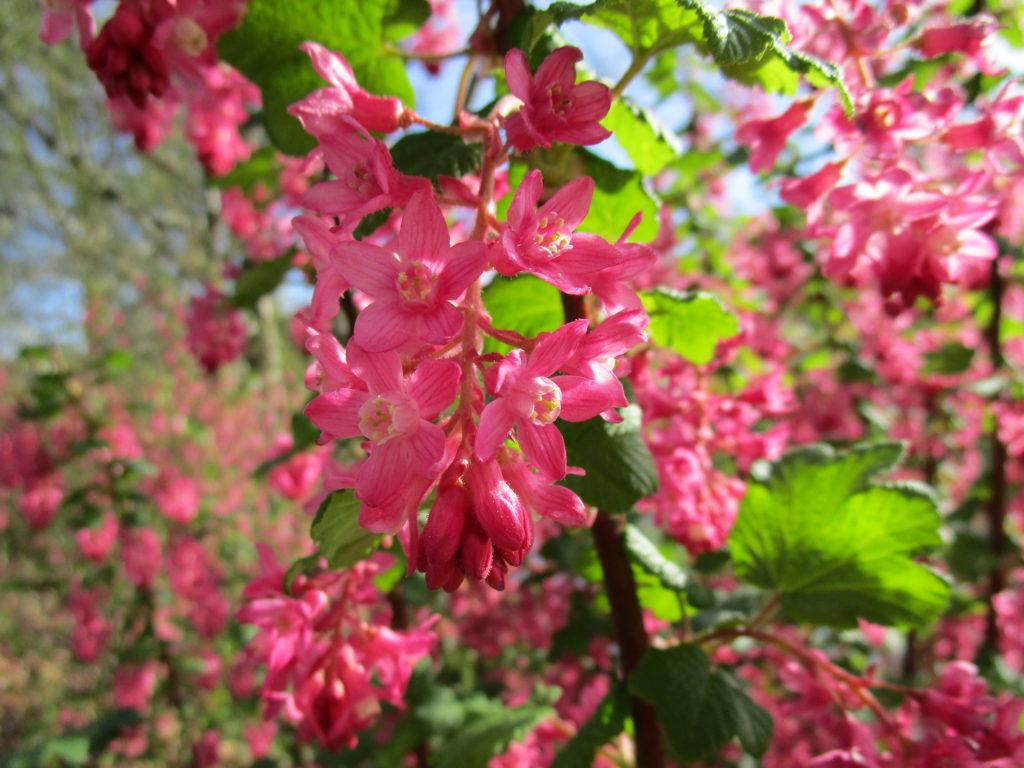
[(627, 616)]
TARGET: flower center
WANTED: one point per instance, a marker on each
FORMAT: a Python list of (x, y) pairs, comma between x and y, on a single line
[(552, 237), (360, 180), (546, 400), (386, 416), (416, 283), (885, 115), (189, 37), (561, 102)]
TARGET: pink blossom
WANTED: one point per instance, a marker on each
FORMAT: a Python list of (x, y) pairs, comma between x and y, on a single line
[(92, 630), (973, 38), (62, 17), (554, 108), (126, 58), (366, 180), (395, 415), (216, 332), (321, 112), (529, 399), (40, 501), (206, 751), (766, 138), (177, 497), (331, 657), (141, 556), (134, 685), (97, 543), (544, 242), (320, 241), (297, 477), (412, 292), (439, 34)]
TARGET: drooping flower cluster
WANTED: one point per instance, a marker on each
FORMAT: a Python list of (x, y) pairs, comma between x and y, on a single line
[(331, 657), (152, 56), (413, 382)]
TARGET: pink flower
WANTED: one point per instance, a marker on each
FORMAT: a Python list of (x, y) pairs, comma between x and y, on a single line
[(439, 33), (216, 332), (366, 180), (134, 685), (331, 658), (555, 108), (412, 291), (321, 111), (767, 138), (177, 497), (319, 238), (396, 417), (97, 543), (91, 632), (972, 38), (40, 501), (297, 477), (62, 17), (528, 398), (141, 556), (126, 59), (543, 241)]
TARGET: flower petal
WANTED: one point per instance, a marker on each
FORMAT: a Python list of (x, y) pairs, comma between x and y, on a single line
[(442, 324), (382, 327), (571, 202), (544, 448), (466, 262), (555, 348), (434, 385), (369, 268), (427, 452), (584, 398), (336, 413), (558, 68), (495, 422), (384, 474), (522, 211), (382, 371), (517, 74), (424, 233)]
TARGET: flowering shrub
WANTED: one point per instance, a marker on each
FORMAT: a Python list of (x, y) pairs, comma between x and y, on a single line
[(626, 438)]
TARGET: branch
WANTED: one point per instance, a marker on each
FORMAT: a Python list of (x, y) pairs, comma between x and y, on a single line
[(627, 616)]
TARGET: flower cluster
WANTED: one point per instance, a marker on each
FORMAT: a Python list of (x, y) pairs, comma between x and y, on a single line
[(330, 655), (433, 412)]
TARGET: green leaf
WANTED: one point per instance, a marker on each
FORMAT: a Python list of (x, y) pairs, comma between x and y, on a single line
[(949, 359), (619, 469), (370, 223), (337, 532), (618, 196), (837, 546), (607, 722), (265, 48), (746, 46), (700, 709), (489, 733), (260, 169), (524, 304), (649, 144), (434, 154), (690, 323), (645, 554), (259, 278)]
